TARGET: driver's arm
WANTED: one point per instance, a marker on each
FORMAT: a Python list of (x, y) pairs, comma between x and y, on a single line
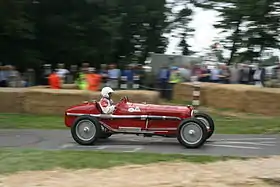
[(106, 107)]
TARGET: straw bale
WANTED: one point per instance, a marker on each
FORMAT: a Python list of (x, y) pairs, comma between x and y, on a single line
[(70, 86), (183, 92), (138, 96), (242, 98), (11, 100), (225, 97), (263, 101), (50, 101), (64, 86)]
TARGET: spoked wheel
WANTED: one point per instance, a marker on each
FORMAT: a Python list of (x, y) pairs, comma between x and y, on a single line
[(207, 121), (86, 130), (192, 133)]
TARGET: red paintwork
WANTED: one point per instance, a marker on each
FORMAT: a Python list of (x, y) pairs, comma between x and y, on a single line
[(122, 107)]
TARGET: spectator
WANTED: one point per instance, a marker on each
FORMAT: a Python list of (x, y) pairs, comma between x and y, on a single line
[(81, 80), (129, 73), (72, 75), (205, 74), (104, 75), (275, 81), (113, 75), (93, 79), (185, 73), (259, 77), (62, 72), (3, 76), (149, 79), (54, 80), (29, 77), (14, 77), (163, 78), (215, 75), (234, 74), (139, 70), (47, 71), (225, 74), (245, 74), (174, 79)]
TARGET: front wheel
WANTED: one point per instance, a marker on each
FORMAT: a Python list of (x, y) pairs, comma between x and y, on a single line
[(86, 130), (192, 133), (207, 121)]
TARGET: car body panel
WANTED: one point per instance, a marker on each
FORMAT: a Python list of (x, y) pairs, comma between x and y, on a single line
[(134, 117)]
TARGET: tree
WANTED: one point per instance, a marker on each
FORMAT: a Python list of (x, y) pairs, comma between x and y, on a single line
[(263, 28), (181, 23), (35, 32), (16, 34)]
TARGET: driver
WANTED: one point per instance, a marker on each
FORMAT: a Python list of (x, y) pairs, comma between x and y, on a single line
[(106, 103)]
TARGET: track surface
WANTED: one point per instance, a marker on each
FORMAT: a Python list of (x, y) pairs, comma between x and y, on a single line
[(226, 145)]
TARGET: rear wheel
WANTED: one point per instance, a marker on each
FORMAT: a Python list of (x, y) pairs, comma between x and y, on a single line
[(207, 121), (192, 133), (86, 130)]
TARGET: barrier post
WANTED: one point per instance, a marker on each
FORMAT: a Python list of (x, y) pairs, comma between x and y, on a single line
[(136, 79), (123, 84), (196, 92)]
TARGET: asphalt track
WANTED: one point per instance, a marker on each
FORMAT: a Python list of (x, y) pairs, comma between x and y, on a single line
[(218, 144)]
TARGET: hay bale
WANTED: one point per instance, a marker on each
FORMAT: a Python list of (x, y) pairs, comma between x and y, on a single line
[(183, 92), (64, 86), (138, 96), (263, 101), (39, 87), (49, 101), (12, 100), (70, 86), (242, 98), (218, 96), (55, 102)]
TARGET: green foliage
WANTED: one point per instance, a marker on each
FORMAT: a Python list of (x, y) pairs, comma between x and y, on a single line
[(252, 25), (34, 32)]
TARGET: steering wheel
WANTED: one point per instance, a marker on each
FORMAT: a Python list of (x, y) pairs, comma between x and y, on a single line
[(125, 99)]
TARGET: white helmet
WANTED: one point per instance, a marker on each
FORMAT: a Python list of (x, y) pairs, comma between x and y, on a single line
[(105, 91)]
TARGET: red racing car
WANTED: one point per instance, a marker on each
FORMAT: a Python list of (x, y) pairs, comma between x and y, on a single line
[(88, 123)]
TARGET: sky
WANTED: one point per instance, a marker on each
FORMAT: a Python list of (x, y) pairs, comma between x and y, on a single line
[(204, 34)]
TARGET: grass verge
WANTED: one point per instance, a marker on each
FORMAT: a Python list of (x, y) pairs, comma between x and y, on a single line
[(225, 124), (12, 160)]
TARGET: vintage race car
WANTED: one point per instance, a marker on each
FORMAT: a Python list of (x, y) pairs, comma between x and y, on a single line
[(88, 123)]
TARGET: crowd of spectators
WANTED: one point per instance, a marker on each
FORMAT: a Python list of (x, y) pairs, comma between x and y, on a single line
[(87, 77), (11, 77)]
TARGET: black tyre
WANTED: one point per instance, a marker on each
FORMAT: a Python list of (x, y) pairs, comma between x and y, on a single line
[(86, 130), (105, 135), (207, 121), (192, 133)]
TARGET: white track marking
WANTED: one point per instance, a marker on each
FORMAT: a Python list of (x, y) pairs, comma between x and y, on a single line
[(66, 146), (134, 150), (269, 142), (233, 146), (246, 143), (101, 147), (243, 139)]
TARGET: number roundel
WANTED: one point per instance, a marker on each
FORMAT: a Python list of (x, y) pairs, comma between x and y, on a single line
[(134, 109)]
